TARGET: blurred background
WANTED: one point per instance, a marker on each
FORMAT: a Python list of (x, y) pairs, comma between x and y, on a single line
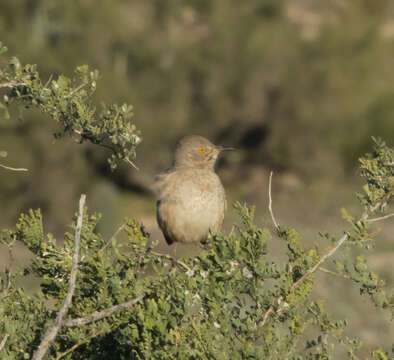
[(297, 86)]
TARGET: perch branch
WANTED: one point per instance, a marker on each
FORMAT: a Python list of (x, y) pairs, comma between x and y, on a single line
[(53, 330), (98, 315)]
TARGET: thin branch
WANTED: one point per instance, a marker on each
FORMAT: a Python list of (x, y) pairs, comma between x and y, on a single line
[(81, 86), (13, 169), (381, 218), (85, 341), (171, 259), (48, 82), (267, 313), (121, 227), (6, 336), (132, 164), (344, 276), (321, 261), (98, 315), (53, 330), (364, 217), (11, 85), (277, 227)]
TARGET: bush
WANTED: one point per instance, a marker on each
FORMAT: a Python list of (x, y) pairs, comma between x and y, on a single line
[(101, 298)]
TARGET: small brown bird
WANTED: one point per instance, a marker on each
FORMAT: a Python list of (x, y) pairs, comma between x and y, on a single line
[(191, 198)]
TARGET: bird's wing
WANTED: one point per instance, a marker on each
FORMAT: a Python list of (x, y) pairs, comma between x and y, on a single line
[(161, 183)]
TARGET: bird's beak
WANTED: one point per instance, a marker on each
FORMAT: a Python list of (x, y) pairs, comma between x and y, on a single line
[(225, 148)]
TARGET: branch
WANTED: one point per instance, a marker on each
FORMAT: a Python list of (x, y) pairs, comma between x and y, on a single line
[(381, 218), (121, 227), (6, 336), (53, 330), (98, 315), (83, 342), (364, 217), (79, 87), (277, 227), (11, 85), (132, 164), (13, 169), (344, 276), (190, 271)]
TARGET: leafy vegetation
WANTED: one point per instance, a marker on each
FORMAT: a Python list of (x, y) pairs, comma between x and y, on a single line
[(231, 301)]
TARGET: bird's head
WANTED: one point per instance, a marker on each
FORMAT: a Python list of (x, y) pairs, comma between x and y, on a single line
[(197, 151)]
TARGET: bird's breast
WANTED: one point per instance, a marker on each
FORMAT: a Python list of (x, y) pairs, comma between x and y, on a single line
[(192, 204)]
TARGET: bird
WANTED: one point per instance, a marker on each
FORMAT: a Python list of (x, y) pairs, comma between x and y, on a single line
[(191, 199)]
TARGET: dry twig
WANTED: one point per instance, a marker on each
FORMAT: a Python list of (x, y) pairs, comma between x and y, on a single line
[(98, 315), (13, 169), (364, 217), (53, 330), (277, 227), (6, 336)]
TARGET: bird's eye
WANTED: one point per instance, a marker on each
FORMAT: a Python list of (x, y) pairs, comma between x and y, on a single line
[(201, 149)]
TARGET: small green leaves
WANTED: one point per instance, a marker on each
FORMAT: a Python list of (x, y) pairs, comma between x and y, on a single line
[(68, 101)]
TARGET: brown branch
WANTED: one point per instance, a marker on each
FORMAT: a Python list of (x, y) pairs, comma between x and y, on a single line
[(54, 329), (98, 315), (6, 336), (277, 227), (13, 169)]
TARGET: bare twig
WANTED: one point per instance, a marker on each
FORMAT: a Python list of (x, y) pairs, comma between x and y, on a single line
[(277, 227), (79, 87), (364, 217), (321, 261), (132, 164), (381, 218), (3, 341), (11, 85), (334, 273), (53, 330), (48, 82), (171, 259), (98, 315), (85, 341), (121, 227), (13, 169)]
